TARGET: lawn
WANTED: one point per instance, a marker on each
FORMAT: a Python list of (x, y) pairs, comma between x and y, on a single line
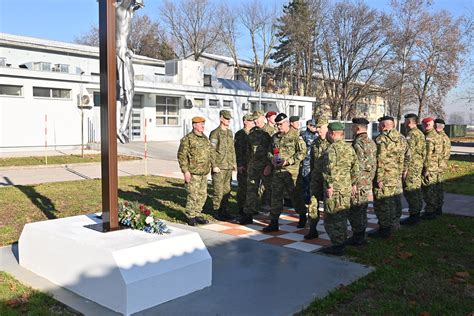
[(55, 160), (460, 175), (425, 269)]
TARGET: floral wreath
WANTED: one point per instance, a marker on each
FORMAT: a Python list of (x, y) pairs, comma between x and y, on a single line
[(138, 216)]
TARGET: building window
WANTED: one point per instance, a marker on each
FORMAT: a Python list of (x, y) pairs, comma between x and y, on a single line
[(213, 102), (51, 93), (138, 101), (11, 90), (227, 103), (96, 98), (42, 66), (199, 103), (253, 106), (3, 62), (292, 110), (61, 68), (207, 81), (167, 111), (301, 111)]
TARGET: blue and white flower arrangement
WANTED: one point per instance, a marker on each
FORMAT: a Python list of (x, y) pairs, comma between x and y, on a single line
[(138, 216)]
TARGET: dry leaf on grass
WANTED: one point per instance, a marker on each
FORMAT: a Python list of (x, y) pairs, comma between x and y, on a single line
[(452, 226), (18, 301), (12, 287), (412, 303), (460, 277), (405, 255), (425, 313)]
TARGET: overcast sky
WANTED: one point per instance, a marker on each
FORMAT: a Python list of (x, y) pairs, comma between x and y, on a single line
[(63, 20)]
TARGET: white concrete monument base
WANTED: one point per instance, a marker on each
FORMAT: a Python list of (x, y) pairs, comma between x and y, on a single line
[(126, 270)]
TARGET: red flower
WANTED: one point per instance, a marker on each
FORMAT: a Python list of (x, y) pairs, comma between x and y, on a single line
[(125, 203), (147, 212), (142, 207)]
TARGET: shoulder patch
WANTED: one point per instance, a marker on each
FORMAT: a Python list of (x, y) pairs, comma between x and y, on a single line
[(214, 142)]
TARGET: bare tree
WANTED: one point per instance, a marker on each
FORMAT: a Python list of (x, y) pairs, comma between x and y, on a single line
[(437, 60), (403, 32), (193, 25), (259, 22), (350, 54), (146, 38), (457, 118)]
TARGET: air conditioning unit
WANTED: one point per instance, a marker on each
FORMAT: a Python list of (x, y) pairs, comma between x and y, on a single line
[(85, 101), (188, 103), (246, 106)]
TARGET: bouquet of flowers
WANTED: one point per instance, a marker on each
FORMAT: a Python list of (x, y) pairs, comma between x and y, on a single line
[(138, 216)]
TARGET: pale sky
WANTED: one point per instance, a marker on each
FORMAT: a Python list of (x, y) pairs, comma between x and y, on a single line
[(63, 20)]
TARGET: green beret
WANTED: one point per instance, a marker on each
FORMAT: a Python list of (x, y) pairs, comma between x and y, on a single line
[(336, 126)]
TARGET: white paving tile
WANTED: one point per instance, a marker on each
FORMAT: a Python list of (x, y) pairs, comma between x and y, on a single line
[(324, 236), (303, 246), (285, 221), (256, 236), (254, 227), (216, 227), (292, 236), (371, 215), (373, 220), (289, 228)]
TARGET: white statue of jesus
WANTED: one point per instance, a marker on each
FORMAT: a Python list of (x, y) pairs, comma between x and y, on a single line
[(125, 74)]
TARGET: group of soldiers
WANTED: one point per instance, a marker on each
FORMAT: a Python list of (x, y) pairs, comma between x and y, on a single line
[(274, 161)]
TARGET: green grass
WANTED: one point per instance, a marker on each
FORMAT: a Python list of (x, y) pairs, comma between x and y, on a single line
[(18, 299), (54, 160), (415, 273), (460, 175)]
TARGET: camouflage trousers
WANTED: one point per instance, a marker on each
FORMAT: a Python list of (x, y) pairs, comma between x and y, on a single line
[(241, 189), (196, 194), (304, 182), (221, 184), (255, 180), (285, 181), (412, 191), (316, 197), (335, 217), (440, 196), (357, 214), (430, 193), (388, 205)]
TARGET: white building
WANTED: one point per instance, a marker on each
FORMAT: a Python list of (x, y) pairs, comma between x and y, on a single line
[(47, 88)]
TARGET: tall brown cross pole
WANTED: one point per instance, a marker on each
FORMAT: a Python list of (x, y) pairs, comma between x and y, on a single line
[(108, 114)]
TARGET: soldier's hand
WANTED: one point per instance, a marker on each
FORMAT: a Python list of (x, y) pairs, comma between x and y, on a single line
[(329, 192), (380, 184), (267, 171), (354, 190), (404, 175), (216, 170), (285, 163), (240, 169), (187, 177)]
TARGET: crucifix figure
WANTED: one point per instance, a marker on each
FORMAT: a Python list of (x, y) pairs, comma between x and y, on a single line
[(125, 80)]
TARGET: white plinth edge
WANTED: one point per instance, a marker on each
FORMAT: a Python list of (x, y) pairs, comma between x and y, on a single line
[(126, 270)]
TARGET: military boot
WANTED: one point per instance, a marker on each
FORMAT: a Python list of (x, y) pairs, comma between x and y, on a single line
[(382, 232), (357, 239), (223, 215), (411, 220), (272, 227), (336, 250), (302, 221), (439, 211), (245, 219), (428, 215), (313, 232)]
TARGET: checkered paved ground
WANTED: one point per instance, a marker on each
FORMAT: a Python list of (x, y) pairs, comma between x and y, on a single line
[(288, 235)]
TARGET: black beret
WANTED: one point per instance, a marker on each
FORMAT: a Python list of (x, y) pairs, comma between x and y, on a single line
[(386, 118), (360, 120), (439, 121), (280, 117), (294, 118), (411, 115)]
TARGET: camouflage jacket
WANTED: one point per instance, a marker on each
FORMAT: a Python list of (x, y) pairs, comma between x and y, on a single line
[(308, 138), (366, 152), (292, 149), (318, 149), (416, 142), (392, 158), (241, 147), (194, 154), (446, 150), (269, 129), (257, 148), (434, 153), (224, 152), (340, 167)]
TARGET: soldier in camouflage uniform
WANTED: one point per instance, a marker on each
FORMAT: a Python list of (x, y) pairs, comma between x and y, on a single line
[(412, 180), (223, 163), (286, 152), (340, 172), (318, 149), (366, 152), (392, 162), (270, 127), (431, 168), (309, 135), (194, 158), (258, 143), (446, 152), (295, 122), (241, 156)]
